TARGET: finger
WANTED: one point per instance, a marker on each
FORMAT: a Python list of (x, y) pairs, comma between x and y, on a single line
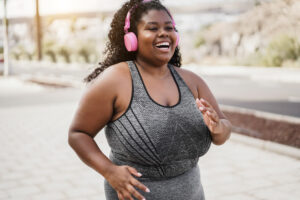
[(210, 109), (133, 191), (213, 116), (120, 196), (134, 171), (200, 105), (198, 102), (127, 195), (205, 103), (214, 124), (212, 113), (139, 185), (202, 109)]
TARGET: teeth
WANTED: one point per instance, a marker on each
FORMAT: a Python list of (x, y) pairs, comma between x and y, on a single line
[(163, 43)]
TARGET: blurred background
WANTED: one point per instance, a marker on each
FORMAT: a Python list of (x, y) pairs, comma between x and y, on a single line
[(247, 51), (235, 32)]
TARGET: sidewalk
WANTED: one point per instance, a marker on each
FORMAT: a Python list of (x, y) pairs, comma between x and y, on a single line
[(74, 73), (38, 164), (279, 74)]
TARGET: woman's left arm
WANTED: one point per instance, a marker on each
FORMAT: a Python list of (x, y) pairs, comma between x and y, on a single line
[(219, 126)]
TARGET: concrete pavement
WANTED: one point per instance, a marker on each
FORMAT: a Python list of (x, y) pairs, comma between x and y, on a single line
[(37, 163), (74, 73)]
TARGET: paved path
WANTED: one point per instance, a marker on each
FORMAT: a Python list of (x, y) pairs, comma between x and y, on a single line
[(36, 162)]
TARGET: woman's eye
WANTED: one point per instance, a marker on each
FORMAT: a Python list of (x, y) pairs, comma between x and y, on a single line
[(169, 28), (153, 29)]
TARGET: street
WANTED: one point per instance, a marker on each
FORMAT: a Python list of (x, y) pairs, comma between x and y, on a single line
[(263, 95)]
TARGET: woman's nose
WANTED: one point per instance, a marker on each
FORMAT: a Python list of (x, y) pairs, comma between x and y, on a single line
[(163, 33)]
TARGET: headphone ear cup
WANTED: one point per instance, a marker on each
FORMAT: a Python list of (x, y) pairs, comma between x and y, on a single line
[(177, 38), (130, 41)]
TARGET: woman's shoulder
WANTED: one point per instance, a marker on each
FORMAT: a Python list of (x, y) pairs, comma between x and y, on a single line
[(181, 71), (193, 80), (111, 80), (113, 74), (116, 70), (187, 74)]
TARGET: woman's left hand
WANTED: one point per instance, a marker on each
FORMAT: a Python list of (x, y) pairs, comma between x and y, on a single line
[(210, 116)]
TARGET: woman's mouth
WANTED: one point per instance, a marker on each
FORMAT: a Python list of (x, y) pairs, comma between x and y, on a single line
[(163, 46)]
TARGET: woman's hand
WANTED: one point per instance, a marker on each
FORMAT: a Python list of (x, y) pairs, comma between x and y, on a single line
[(210, 116), (121, 179)]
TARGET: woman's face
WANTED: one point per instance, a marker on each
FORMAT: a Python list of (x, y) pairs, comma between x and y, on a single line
[(156, 37)]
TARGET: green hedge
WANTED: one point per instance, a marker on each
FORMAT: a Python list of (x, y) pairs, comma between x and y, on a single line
[(281, 48)]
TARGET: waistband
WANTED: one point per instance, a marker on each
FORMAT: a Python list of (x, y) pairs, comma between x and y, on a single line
[(163, 171)]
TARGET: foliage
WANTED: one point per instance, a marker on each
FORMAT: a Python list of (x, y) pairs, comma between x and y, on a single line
[(84, 53), (199, 41), (65, 53), (281, 49), (48, 50), (19, 52), (51, 54), (81, 52)]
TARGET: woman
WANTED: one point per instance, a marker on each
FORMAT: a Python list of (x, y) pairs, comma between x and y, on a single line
[(154, 122)]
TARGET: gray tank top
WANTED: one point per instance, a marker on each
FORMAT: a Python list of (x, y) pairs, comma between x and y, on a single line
[(159, 141)]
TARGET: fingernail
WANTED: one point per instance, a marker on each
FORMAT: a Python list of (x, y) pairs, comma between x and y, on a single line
[(144, 199), (139, 174), (147, 190), (201, 108)]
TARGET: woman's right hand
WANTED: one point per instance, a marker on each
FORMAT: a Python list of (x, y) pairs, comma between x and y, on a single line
[(121, 179)]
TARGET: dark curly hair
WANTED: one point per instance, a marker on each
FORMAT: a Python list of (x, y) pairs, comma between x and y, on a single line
[(115, 51)]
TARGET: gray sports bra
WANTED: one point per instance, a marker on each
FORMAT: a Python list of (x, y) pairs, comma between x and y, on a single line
[(159, 141)]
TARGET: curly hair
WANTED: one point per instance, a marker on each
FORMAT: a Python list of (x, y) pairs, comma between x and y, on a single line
[(115, 51)]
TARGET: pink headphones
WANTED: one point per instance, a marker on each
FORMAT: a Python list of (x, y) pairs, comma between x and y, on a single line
[(130, 38)]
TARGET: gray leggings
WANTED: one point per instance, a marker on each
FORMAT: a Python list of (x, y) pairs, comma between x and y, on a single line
[(186, 186)]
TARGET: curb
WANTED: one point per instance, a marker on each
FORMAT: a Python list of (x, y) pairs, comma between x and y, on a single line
[(52, 81), (262, 114), (266, 145)]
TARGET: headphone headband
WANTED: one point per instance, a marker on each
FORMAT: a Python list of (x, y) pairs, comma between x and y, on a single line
[(127, 22), (127, 19)]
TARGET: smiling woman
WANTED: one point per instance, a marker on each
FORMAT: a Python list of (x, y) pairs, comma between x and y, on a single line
[(154, 122)]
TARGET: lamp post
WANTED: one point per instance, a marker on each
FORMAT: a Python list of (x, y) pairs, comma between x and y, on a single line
[(38, 31), (5, 41)]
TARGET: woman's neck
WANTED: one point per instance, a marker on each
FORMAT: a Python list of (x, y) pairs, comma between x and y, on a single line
[(159, 71)]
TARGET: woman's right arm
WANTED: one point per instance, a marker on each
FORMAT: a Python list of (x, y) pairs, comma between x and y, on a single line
[(94, 111)]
